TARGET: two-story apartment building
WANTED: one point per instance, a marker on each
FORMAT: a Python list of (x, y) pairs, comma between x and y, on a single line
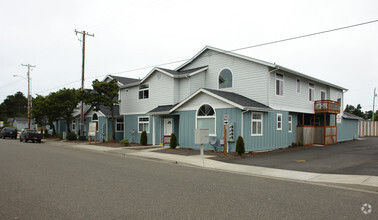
[(269, 105)]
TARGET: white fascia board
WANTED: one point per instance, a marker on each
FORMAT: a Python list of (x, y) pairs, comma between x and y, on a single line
[(129, 85), (191, 74), (152, 71), (208, 93), (159, 113), (258, 109), (225, 52), (310, 77)]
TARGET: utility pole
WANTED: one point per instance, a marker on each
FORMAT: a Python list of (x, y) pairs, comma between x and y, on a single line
[(82, 80), (29, 98), (375, 94)]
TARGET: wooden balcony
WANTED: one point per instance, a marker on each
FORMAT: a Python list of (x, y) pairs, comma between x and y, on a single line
[(327, 106)]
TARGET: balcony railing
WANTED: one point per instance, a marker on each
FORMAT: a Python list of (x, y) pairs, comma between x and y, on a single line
[(327, 106)]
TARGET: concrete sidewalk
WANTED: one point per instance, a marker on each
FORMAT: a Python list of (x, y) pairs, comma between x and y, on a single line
[(361, 180)]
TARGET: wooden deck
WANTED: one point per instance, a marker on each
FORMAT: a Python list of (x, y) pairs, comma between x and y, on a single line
[(327, 106)]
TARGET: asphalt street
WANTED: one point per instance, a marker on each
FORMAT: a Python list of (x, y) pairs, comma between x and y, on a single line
[(359, 157), (42, 181)]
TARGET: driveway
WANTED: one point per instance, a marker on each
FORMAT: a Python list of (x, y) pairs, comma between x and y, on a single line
[(358, 157)]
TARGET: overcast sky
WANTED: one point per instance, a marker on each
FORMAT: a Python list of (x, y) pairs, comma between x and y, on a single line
[(132, 34)]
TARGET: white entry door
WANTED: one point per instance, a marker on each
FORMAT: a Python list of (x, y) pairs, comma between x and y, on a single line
[(168, 123)]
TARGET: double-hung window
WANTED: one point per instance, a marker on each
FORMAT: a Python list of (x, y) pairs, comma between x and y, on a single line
[(257, 124), (279, 84), (144, 91), (290, 123), (311, 89), (119, 124), (279, 121), (143, 124)]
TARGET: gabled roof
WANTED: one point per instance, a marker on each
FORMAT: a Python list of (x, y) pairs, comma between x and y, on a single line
[(105, 110), (231, 98), (20, 119), (272, 65), (348, 115), (171, 73), (122, 80)]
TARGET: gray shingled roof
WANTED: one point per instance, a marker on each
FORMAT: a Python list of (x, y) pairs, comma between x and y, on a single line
[(239, 99), (124, 80), (162, 109), (106, 111), (177, 73), (348, 115)]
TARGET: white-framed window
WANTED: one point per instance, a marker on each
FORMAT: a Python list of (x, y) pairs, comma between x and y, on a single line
[(74, 125), (298, 86), (279, 84), (279, 121), (225, 79), (144, 91), (95, 119), (119, 124), (322, 95), (205, 118), (143, 124), (257, 124), (311, 89), (290, 123)]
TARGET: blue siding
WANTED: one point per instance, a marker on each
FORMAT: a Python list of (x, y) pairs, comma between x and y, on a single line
[(131, 122), (271, 138), (347, 130)]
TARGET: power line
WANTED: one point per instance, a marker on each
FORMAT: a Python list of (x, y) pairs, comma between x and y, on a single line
[(242, 48)]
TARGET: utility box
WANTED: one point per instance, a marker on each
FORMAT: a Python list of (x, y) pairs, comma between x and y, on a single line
[(201, 136)]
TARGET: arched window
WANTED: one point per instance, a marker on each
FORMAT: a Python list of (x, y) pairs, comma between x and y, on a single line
[(95, 119), (225, 79), (206, 118)]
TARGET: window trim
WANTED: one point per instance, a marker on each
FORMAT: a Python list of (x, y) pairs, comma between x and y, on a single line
[(312, 93), (139, 117), (232, 78), (290, 123), (204, 117), (257, 120), (140, 90), (298, 83), (121, 123), (281, 83), (325, 95), (279, 122), (93, 120)]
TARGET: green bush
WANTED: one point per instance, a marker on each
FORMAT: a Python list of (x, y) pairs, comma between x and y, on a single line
[(143, 138), (125, 142), (300, 143), (173, 141), (240, 146), (71, 136)]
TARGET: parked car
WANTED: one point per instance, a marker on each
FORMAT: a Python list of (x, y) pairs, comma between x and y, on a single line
[(30, 134), (8, 132)]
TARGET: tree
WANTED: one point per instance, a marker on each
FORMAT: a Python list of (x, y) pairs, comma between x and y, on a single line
[(355, 111), (65, 101), (173, 141), (103, 94), (15, 106)]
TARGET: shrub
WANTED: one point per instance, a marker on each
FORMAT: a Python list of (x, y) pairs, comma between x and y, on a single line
[(173, 141), (71, 136), (125, 142), (143, 138), (240, 146), (300, 143)]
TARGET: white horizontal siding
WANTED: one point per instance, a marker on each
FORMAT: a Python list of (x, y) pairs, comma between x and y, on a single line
[(202, 99), (249, 78), (293, 101), (184, 88), (161, 93)]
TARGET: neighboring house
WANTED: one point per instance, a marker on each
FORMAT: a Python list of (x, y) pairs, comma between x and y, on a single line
[(21, 123), (101, 117), (269, 105)]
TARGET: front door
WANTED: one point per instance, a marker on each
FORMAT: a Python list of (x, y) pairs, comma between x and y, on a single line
[(168, 123)]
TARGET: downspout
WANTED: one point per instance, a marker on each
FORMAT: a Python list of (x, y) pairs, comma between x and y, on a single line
[(153, 133)]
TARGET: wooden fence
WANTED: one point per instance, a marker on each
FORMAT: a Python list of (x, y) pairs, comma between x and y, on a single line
[(367, 128)]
